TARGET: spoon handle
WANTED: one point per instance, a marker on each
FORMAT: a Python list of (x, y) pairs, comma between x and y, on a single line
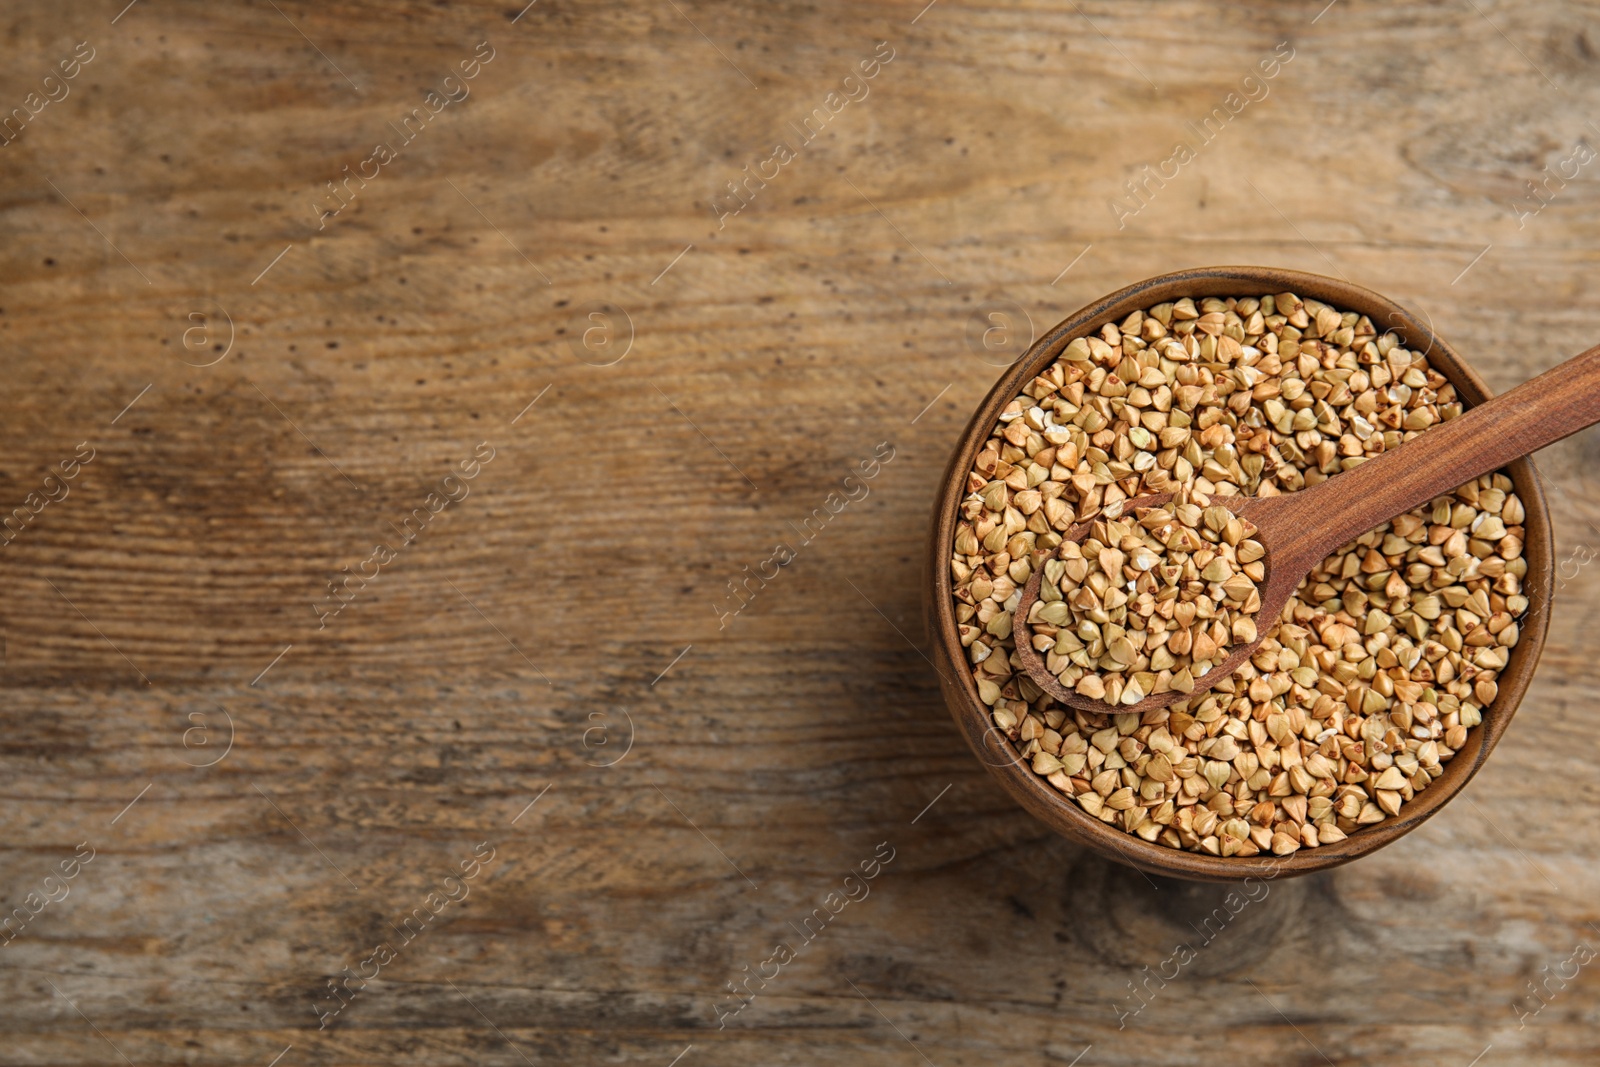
[(1484, 438)]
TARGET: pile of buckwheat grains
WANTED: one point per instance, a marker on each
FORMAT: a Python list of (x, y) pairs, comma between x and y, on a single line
[(1382, 660), (1149, 601)]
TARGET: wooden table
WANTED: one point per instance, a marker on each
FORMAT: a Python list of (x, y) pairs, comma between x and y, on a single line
[(539, 680)]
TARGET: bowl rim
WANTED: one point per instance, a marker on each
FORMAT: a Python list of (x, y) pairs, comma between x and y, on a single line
[(1065, 817)]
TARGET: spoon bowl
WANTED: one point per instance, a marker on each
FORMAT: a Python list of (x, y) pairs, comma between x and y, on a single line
[(1274, 595)]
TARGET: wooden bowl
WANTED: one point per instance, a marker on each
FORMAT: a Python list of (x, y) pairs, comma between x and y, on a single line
[(1002, 757)]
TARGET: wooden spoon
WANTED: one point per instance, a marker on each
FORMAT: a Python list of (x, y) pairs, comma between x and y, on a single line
[(1301, 529)]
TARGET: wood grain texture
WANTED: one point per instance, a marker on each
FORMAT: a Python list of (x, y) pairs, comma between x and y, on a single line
[(834, 312)]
